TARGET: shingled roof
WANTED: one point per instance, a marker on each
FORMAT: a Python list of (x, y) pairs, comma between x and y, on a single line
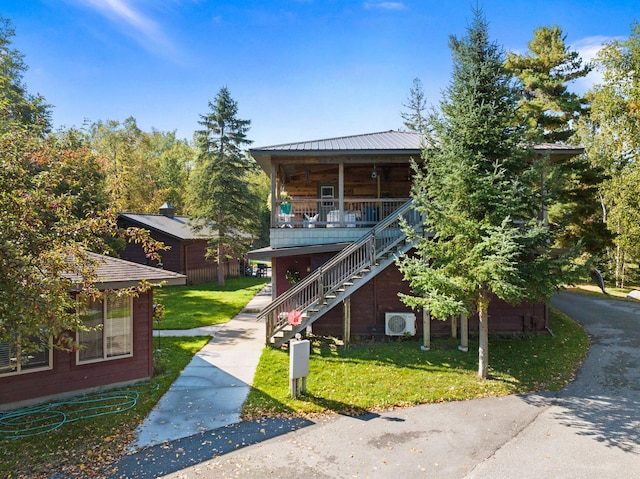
[(115, 273), (179, 227)]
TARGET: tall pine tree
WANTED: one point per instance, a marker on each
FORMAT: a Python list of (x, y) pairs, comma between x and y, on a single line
[(547, 106), (220, 193), (551, 112), (478, 193)]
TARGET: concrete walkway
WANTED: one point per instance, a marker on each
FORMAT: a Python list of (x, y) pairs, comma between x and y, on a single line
[(210, 391)]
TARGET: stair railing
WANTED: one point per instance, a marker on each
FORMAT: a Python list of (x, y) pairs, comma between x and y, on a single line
[(313, 292)]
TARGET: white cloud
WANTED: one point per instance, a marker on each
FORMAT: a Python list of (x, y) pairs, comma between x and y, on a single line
[(588, 48), (385, 5), (143, 28)]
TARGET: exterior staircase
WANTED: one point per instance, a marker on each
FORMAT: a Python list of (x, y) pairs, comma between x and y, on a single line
[(340, 277)]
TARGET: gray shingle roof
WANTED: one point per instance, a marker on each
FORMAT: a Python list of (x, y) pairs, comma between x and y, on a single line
[(401, 141), (116, 273), (179, 227)]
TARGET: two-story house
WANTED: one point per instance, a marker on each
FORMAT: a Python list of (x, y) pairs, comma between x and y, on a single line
[(335, 232)]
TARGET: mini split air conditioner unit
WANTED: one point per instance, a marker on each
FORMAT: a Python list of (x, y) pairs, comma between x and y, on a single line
[(400, 324)]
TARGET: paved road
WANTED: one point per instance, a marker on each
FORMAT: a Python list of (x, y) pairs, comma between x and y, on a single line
[(590, 430)]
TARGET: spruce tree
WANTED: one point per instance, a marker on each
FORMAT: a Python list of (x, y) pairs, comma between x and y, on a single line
[(415, 119), (220, 193), (477, 190)]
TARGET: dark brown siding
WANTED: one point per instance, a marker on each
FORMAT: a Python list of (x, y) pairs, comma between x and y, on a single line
[(68, 377), (186, 257)]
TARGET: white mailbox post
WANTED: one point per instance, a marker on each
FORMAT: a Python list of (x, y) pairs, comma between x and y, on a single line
[(298, 365)]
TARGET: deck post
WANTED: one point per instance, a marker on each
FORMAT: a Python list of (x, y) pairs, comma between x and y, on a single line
[(346, 316), (426, 329), (464, 333), (341, 192)]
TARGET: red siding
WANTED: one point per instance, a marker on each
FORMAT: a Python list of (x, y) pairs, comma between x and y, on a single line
[(68, 377)]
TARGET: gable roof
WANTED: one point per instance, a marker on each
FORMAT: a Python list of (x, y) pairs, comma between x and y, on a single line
[(179, 227), (116, 273)]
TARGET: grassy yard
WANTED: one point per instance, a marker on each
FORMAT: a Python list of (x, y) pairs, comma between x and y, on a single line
[(375, 376), (82, 448), (194, 306), (616, 293)]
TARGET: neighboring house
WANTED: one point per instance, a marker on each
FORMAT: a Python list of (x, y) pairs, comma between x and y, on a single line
[(336, 232), (188, 246), (117, 353)]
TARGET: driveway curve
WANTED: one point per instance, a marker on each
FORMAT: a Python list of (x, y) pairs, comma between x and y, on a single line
[(591, 429)]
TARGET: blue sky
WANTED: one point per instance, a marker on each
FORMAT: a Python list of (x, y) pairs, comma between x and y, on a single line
[(299, 69)]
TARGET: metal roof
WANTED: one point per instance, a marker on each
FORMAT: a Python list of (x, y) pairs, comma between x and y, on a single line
[(179, 227), (116, 273), (401, 141), (558, 148)]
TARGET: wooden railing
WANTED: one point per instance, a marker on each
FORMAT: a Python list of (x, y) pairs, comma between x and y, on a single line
[(314, 294), (328, 213)]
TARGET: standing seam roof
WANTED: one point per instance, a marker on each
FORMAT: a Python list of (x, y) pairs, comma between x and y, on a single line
[(388, 140)]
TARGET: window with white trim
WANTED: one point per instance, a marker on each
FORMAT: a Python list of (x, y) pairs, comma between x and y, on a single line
[(111, 330), (15, 359)]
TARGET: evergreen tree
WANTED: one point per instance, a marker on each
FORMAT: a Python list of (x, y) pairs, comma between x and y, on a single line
[(547, 107), (414, 118), (551, 112), (18, 108), (478, 193), (220, 193)]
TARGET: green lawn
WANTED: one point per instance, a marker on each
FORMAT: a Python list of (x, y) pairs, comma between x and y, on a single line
[(82, 446), (374, 376), (616, 293), (194, 306)]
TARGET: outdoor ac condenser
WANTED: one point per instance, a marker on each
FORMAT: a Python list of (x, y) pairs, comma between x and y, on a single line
[(400, 324)]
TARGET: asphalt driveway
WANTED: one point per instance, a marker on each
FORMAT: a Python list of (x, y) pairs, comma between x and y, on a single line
[(591, 429)]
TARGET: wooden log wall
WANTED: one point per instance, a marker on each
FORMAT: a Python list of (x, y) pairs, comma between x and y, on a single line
[(392, 181)]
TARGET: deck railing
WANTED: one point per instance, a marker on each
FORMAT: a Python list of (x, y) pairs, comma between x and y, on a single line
[(328, 213)]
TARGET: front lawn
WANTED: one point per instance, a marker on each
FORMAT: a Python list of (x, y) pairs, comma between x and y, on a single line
[(83, 445), (382, 375), (199, 305)]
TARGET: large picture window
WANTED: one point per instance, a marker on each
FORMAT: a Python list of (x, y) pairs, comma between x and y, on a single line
[(15, 359), (111, 330)]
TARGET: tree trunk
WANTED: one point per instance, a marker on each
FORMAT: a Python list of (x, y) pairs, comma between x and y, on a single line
[(483, 332), (220, 268)]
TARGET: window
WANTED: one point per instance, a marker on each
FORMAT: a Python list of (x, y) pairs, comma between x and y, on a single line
[(327, 192), (111, 330), (17, 360)]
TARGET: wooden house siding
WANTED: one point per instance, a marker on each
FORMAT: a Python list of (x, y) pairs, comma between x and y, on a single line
[(67, 377)]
